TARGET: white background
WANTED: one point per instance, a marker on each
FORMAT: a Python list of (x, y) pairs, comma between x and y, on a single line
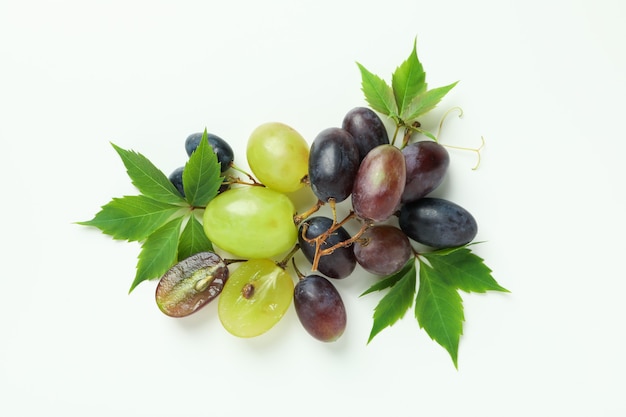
[(542, 81)]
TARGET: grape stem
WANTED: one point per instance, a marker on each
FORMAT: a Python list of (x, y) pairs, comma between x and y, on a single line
[(299, 218), (462, 148), (321, 239), (283, 264), (237, 180)]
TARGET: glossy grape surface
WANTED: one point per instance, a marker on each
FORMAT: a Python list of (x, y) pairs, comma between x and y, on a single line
[(366, 128), (384, 251), (251, 222), (437, 223), (338, 264), (255, 298), (426, 166), (222, 149), (333, 163), (379, 183), (278, 156), (320, 308), (176, 178), (191, 284)]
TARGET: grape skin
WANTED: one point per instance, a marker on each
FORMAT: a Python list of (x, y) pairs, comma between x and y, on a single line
[(319, 307), (379, 183), (426, 166), (366, 128), (437, 223), (176, 178), (222, 149), (278, 156), (333, 164), (338, 264), (251, 222), (386, 250)]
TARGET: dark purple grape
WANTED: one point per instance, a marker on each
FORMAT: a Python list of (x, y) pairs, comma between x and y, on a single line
[(426, 165), (379, 183), (191, 284), (437, 223), (320, 308), (333, 163), (176, 177), (222, 149), (338, 264), (383, 249), (366, 128)]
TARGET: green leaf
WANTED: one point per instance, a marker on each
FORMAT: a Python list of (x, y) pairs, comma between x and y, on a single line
[(148, 179), (158, 252), (439, 310), (408, 81), (396, 302), (193, 239), (425, 102), (202, 176), (131, 218), (391, 280), (463, 269), (378, 93)]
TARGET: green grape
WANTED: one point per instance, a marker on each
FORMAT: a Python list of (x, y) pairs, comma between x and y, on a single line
[(255, 298), (251, 222), (278, 156)]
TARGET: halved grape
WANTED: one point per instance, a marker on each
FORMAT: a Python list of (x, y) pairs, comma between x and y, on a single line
[(278, 156), (320, 308), (255, 298), (191, 284), (383, 249), (251, 222)]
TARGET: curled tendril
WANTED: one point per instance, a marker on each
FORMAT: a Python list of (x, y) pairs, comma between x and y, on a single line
[(462, 148)]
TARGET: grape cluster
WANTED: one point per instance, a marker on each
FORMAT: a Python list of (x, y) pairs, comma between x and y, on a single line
[(385, 187)]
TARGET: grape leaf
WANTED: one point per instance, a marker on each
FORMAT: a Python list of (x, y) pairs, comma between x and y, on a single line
[(439, 310), (131, 218), (396, 302), (202, 176), (193, 239), (425, 102), (148, 179), (463, 269), (391, 280), (378, 93), (158, 252), (408, 81)]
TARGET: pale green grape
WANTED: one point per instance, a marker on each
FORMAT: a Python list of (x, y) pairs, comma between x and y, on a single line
[(251, 222), (278, 156), (255, 298)]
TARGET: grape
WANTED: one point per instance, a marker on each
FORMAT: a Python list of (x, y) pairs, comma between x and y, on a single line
[(320, 308), (366, 128), (338, 264), (222, 149), (191, 284), (385, 250), (437, 223), (255, 298), (278, 156), (379, 183), (251, 222), (426, 166), (176, 177), (333, 163)]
